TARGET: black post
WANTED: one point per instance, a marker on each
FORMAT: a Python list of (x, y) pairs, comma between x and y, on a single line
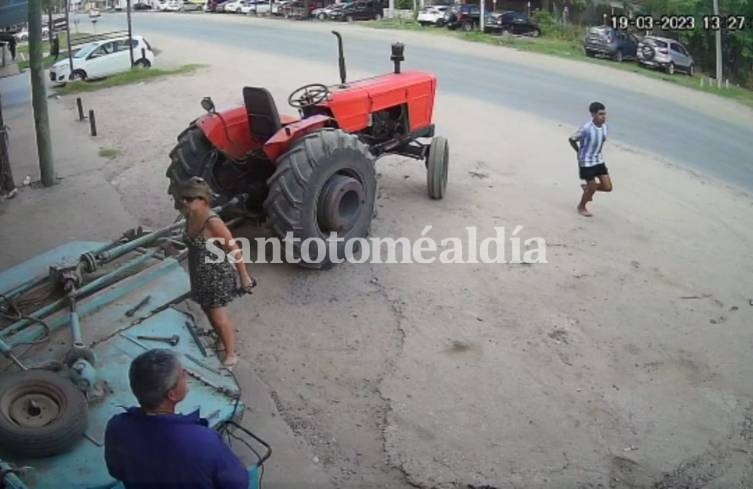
[(130, 32), (6, 176), (341, 58), (92, 123), (68, 38), (80, 106)]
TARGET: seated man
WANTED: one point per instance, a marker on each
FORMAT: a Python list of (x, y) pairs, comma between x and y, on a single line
[(153, 447)]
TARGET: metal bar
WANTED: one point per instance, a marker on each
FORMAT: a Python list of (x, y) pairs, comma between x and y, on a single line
[(113, 253), (20, 289), (35, 331), (75, 326), (96, 285)]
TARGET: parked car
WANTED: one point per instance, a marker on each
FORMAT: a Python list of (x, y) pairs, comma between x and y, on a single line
[(297, 9), (323, 13), (103, 58), (667, 54), (432, 15), (261, 7), (607, 41), (142, 6), (279, 6), (359, 10), (234, 6), (189, 6), (511, 22), (465, 16)]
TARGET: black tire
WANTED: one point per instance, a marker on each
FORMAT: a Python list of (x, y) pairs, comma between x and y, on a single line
[(78, 75), (322, 17), (349, 18), (377, 17), (691, 69), (316, 167), (536, 33), (590, 53), (193, 156), (671, 68), (437, 163), (40, 433), (143, 63), (618, 56), (467, 26)]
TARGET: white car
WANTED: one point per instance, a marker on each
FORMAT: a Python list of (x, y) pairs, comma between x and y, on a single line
[(234, 6), (248, 7), (94, 14), (103, 58), (262, 7), (432, 15), (173, 6)]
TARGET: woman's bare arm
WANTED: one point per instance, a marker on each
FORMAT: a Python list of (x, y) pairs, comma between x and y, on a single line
[(217, 229)]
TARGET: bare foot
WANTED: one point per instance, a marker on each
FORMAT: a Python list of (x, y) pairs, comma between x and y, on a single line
[(584, 212)]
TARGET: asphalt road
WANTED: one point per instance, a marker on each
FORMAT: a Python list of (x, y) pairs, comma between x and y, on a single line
[(683, 135)]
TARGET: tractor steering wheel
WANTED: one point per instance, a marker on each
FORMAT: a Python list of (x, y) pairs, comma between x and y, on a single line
[(313, 93)]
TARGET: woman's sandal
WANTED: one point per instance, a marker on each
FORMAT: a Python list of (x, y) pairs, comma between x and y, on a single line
[(230, 362)]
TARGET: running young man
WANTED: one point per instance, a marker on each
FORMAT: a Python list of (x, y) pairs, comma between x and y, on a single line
[(592, 137)]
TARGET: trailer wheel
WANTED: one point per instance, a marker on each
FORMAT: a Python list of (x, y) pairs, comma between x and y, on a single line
[(193, 156), (325, 183), (41, 413), (437, 162)]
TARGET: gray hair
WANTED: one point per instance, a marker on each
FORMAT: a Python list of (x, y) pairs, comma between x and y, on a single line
[(152, 375)]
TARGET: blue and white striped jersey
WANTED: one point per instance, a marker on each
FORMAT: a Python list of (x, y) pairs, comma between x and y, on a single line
[(591, 139)]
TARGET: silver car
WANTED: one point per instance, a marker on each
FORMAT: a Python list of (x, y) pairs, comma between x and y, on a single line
[(664, 53)]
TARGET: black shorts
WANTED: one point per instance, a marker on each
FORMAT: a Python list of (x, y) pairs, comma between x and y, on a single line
[(588, 173)]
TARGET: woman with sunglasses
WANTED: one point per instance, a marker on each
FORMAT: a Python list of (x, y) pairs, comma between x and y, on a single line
[(213, 285)]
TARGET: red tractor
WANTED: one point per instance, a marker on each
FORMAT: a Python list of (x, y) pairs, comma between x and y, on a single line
[(314, 175)]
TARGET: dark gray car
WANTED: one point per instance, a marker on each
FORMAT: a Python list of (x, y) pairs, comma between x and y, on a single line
[(610, 42)]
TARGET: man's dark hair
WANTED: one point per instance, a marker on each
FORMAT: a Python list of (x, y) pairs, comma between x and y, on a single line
[(152, 375), (595, 107)]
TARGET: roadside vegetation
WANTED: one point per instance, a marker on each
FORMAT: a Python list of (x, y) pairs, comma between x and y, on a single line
[(136, 75), (565, 40), (47, 60)]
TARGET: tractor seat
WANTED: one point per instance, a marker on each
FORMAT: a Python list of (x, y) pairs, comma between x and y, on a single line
[(262, 113)]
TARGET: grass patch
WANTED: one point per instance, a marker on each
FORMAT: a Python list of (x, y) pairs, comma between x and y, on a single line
[(129, 77), (566, 43), (109, 153)]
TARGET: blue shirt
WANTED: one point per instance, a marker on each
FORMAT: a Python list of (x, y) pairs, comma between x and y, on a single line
[(591, 139), (170, 451)]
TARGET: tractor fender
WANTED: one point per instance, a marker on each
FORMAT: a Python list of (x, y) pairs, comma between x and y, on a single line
[(284, 138), (229, 132)]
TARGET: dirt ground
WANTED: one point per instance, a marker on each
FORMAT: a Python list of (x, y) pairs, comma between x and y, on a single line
[(623, 362)]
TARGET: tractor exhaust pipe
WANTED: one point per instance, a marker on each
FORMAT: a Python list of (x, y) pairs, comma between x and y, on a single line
[(341, 58), (397, 55)]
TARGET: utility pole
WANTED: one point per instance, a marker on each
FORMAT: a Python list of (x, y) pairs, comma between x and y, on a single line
[(482, 4), (39, 95), (718, 35), (68, 36), (130, 32)]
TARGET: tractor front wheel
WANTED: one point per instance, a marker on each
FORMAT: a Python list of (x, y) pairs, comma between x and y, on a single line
[(325, 183), (193, 156), (437, 162)]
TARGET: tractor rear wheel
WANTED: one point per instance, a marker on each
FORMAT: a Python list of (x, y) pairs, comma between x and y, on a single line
[(325, 183), (437, 163), (193, 156)]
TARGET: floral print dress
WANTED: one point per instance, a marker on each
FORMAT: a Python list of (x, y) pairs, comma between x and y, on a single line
[(212, 284)]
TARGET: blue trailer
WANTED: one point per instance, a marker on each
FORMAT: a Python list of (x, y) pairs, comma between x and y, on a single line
[(69, 326)]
